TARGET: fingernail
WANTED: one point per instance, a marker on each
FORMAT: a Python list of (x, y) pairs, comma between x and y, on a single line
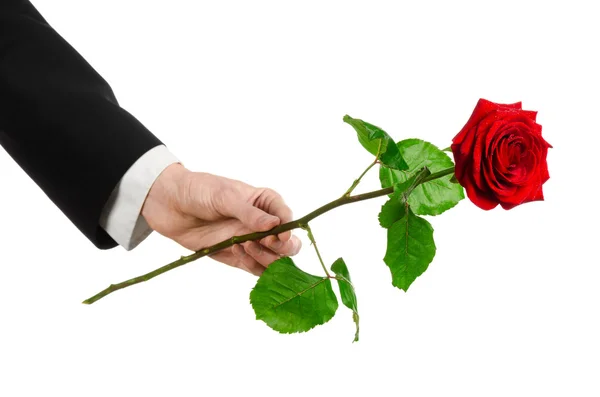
[(255, 249), (276, 244), (288, 235), (269, 218), (266, 219), (297, 246), (239, 250)]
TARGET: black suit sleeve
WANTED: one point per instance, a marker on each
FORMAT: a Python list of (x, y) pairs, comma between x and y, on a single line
[(60, 121)]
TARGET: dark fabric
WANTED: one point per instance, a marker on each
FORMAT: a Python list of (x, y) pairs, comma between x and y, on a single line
[(60, 121)]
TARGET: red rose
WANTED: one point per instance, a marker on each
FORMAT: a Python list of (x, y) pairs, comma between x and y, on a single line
[(500, 156)]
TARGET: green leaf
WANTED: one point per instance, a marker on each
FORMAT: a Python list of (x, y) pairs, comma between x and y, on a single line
[(433, 197), (346, 290), (291, 300), (410, 249), (371, 137), (395, 208)]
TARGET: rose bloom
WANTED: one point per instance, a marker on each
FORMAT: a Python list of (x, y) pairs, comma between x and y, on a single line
[(500, 156)]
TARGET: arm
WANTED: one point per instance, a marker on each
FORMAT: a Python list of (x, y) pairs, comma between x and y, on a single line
[(60, 121)]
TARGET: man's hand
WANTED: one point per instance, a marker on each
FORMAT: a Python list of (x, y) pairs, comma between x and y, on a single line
[(198, 210)]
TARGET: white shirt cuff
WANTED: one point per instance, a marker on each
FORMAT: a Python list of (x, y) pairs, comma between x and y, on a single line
[(121, 216)]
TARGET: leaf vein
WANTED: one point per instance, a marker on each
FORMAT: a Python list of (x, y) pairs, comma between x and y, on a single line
[(297, 294)]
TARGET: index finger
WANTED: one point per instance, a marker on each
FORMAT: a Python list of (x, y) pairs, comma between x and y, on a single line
[(272, 202)]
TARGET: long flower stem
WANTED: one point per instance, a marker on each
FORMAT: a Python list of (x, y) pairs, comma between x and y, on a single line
[(311, 237), (298, 223)]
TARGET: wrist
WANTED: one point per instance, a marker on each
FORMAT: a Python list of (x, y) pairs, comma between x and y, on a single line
[(165, 191)]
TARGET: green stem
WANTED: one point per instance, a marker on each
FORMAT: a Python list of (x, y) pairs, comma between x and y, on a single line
[(439, 174), (298, 223), (357, 181), (311, 237)]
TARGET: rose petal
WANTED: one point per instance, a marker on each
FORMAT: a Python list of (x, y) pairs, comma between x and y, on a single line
[(482, 109), (480, 199)]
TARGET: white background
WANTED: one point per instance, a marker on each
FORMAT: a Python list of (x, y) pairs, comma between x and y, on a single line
[(256, 91)]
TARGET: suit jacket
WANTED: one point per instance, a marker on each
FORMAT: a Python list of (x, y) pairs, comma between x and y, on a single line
[(61, 122)]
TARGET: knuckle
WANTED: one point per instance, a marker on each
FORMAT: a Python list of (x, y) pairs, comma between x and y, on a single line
[(274, 195), (268, 194)]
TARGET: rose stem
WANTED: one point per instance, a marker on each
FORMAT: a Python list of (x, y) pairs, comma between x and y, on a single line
[(298, 223)]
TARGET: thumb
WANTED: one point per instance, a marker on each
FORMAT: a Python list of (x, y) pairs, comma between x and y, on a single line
[(253, 218)]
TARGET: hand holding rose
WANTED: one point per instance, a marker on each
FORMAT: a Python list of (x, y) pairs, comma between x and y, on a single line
[(499, 158), (198, 210)]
